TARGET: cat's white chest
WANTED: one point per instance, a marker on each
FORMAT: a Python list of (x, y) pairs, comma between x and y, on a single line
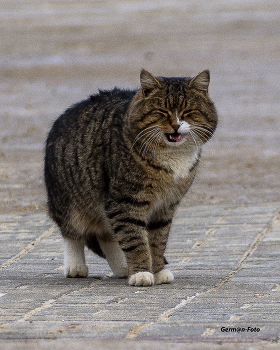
[(182, 164)]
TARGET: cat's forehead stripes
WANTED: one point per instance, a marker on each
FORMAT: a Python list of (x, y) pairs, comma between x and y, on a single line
[(175, 93)]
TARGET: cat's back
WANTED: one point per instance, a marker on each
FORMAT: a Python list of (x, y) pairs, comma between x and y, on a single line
[(94, 113), (78, 148)]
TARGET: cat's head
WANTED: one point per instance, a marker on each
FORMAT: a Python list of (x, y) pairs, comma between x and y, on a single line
[(171, 112)]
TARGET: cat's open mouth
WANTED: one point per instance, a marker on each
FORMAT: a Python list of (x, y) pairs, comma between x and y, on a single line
[(175, 137)]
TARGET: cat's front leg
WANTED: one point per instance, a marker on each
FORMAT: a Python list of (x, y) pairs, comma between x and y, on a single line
[(159, 229), (133, 240), (74, 258), (143, 278)]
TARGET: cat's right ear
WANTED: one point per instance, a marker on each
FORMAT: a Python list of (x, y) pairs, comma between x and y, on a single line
[(148, 82), (201, 81)]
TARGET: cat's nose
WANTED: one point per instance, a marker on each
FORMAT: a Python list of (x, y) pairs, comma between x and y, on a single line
[(176, 126)]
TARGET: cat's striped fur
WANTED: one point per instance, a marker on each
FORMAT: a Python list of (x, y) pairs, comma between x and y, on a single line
[(118, 164)]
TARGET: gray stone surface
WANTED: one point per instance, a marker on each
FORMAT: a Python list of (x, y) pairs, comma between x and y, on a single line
[(226, 275), (224, 245)]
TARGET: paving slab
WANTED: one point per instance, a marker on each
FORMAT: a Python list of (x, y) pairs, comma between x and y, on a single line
[(224, 244), (226, 288), (89, 344)]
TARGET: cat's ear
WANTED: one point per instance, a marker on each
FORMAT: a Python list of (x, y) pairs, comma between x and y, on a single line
[(201, 81), (148, 82)]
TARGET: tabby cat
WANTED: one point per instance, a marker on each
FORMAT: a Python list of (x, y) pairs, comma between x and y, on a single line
[(116, 167)]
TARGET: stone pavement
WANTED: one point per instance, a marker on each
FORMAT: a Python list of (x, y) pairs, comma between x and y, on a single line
[(226, 289), (224, 245)]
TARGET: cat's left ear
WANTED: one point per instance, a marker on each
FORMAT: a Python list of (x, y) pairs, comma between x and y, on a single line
[(201, 81), (148, 82)]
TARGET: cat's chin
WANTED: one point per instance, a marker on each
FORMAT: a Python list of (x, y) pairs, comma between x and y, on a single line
[(175, 138)]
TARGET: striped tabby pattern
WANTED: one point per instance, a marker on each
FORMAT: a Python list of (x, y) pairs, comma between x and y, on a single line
[(116, 167)]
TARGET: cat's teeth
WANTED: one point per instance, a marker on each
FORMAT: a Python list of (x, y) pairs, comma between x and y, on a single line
[(175, 137)]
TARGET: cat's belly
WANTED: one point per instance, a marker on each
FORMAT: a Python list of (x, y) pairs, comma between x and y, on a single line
[(97, 223)]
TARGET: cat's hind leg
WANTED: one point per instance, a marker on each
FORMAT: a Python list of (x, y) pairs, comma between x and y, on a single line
[(74, 258), (114, 255)]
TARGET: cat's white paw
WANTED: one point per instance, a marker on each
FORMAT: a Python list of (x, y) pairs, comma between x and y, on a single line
[(142, 279), (74, 258), (164, 276), (76, 271)]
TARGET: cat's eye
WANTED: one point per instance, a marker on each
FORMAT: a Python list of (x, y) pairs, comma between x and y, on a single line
[(190, 113), (163, 111), (186, 113)]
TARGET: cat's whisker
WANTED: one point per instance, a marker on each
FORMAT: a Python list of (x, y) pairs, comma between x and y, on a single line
[(204, 133), (206, 127), (144, 133), (144, 144), (203, 127), (146, 139), (149, 142), (152, 140), (200, 137), (149, 127), (200, 124), (196, 139), (156, 143), (201, 133)]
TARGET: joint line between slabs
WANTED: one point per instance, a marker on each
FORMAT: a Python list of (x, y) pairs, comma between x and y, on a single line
[(254, 245), (30, 313), (29, 247), (162, 318), (44, 305)]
